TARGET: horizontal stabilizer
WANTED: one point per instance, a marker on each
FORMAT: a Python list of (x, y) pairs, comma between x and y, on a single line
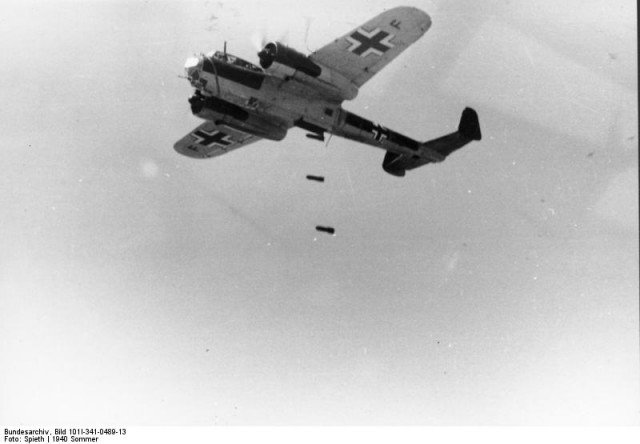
[(435, 150)]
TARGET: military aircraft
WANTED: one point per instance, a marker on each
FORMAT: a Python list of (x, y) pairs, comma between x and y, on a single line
[(242, 103)]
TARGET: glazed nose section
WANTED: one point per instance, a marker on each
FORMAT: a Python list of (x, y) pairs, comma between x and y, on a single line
[(192, 66)]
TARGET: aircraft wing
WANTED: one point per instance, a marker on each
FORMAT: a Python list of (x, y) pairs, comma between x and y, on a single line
[(361, 53), (211, 140)]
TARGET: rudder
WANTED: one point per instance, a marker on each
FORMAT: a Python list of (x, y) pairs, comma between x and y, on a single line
[(470, 125)]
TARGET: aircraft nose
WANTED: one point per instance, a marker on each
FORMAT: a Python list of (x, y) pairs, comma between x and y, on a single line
[(192, 65)]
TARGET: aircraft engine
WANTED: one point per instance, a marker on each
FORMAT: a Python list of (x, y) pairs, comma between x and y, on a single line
[(288, 63), (202, 106), (225, 113), (282, 58)]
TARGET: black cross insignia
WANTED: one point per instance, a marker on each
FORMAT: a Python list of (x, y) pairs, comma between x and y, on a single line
[(364, 42), (214, 138)]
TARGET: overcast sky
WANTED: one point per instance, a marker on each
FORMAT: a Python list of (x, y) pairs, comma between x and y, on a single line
[(141, 287)]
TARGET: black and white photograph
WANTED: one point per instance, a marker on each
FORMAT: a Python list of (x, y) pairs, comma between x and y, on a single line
[(367, 213)]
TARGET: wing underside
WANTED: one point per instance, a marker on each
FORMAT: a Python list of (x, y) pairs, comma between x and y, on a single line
[(363, 52), (211, 140)]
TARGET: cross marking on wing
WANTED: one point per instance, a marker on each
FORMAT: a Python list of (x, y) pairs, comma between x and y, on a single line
[(212, 138), (365, 42)]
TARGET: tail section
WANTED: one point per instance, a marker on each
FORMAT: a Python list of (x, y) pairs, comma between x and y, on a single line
[(470, 125), (435, 150)]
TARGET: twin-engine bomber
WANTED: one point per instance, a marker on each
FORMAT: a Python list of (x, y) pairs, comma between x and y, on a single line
[(242, 103)]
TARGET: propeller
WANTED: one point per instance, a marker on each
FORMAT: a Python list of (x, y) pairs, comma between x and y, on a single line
[(259, 39), (266, 47), (268, 55), (307, 21)]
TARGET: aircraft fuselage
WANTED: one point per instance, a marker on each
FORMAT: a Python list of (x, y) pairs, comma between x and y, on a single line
[(249, 99)]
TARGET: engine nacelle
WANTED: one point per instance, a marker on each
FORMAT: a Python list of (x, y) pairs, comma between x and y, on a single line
[(281, 58), (211, 108), (225, 113), (289, 63)]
